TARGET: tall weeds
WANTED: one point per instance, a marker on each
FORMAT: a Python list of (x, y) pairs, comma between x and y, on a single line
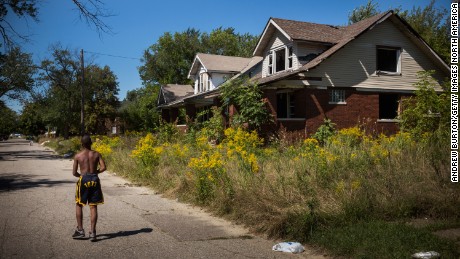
[(288, 191)]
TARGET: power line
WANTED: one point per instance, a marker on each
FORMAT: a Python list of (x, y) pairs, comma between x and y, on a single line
[(110, 55)]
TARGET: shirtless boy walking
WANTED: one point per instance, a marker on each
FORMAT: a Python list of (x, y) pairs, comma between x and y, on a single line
[(88, 189)]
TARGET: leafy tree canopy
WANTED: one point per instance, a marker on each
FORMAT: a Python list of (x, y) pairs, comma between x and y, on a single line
[(138, 109), (8, 120), (16, 74), (363, 12), (31, 119), (61, 102), (101, 101)]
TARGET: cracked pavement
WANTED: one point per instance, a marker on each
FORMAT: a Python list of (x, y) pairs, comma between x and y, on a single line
[(37, 217)]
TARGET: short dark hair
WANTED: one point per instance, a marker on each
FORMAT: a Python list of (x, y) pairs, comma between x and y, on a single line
[(86, 141)]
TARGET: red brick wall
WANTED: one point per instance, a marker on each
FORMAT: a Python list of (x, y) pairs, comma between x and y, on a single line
[(361, 108)]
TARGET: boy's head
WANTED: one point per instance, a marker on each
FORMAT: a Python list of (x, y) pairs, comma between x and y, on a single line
[(86, 141)]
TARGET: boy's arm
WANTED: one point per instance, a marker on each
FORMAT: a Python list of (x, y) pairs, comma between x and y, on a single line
[(75, 167), (102, 166)]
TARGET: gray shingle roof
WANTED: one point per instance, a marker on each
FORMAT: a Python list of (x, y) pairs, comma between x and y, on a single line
[(171, 92), (310, 31)]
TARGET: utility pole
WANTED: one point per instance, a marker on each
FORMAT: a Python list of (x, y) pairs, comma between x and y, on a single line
[(82, 114)]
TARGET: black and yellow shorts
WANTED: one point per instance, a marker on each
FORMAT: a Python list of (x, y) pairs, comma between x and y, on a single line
[(89, 190)]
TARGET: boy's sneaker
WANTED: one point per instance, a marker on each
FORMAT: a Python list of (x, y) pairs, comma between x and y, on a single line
[(78, 233), (92, 237)]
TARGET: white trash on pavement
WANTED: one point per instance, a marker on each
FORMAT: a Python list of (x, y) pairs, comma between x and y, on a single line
[(426, 255), (289, 247)]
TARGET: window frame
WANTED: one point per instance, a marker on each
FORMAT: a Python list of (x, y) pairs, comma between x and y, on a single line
[(207, 113), (280, 50), (290, 105), (272, 59), (270, 62), (339, 98), (398, 60), (200, 83), (290, 57)]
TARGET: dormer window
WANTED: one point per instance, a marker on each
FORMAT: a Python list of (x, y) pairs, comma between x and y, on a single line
[(280, 59), (203, 82)]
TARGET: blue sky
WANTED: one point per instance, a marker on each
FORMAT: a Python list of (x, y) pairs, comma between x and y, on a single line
[(137, 24)]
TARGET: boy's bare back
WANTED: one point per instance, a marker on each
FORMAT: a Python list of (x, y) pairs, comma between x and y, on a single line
[(88, 161)]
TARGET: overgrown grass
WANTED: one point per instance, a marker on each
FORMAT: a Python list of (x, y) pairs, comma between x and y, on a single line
[(339, 194), (378, 239)]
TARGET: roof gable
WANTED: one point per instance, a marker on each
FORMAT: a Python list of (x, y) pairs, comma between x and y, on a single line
[(297, 30), (218, 63)]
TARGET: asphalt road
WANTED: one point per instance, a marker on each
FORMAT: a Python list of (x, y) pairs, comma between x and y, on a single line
[(37, 217)]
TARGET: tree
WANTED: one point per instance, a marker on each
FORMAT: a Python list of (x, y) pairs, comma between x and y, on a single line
[(433, 25), (248, 99), (363, 12), (31, 120), (228, 43), (23, 9), (430, 22), (169, 60), (428, 111), (138, 109), (92, 11), (8, 120), (16, 74), (101, 101), (63, 93), (62, 100), (129, 110)]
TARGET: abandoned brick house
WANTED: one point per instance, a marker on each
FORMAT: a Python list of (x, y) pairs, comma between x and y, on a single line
[(309, 72)]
